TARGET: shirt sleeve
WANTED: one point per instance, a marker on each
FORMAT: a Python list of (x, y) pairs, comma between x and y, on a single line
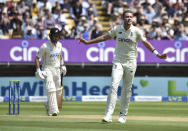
[(41, 51), (112, 32), (141, 36)]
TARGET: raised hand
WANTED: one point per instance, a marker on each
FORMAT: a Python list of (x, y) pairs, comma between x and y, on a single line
[(82, 41)]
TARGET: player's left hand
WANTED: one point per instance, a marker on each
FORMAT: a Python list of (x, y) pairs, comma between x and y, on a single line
[(82, 41), (63, 70), (162, 56)]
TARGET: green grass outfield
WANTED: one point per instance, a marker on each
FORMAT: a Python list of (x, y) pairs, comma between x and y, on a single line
[(86, 116)]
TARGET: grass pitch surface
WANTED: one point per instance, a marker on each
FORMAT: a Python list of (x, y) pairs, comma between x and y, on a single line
[(86, 116)]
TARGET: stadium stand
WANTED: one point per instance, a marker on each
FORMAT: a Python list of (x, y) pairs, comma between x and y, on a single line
[(169, 16)]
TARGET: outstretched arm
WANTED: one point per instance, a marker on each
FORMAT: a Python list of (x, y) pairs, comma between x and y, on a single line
[(96, 40), (152, 49)]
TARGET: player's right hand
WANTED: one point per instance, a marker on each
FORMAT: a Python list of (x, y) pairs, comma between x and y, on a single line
[(162, 56), (39, 74)]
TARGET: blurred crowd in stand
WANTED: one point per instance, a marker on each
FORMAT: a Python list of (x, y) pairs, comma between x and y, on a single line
[(32, 19)]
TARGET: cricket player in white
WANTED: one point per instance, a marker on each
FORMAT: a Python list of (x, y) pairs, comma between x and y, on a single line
[(52, 68), (124, 63)]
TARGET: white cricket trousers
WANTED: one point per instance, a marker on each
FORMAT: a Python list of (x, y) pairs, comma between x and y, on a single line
[(53, 88), (127, 71)]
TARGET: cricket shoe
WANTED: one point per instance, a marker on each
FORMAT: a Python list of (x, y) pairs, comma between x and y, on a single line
[(54, 114), (107, 118), (122, 118), (47, 111)]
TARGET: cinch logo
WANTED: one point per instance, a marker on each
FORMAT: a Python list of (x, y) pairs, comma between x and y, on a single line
[(23, 53), (100, 54), (26, 53), (178, 54), (124, 40)]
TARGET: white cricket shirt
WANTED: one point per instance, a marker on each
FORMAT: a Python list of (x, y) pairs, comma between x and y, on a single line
[(126, 42), (50, 54)]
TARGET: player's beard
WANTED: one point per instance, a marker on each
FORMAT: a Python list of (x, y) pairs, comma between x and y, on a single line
[(54, 40)]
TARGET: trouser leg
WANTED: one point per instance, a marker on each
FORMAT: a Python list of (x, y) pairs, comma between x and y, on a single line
[(59, 88), (52, 103), (117, 73), (51, 93), (126, 91)]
